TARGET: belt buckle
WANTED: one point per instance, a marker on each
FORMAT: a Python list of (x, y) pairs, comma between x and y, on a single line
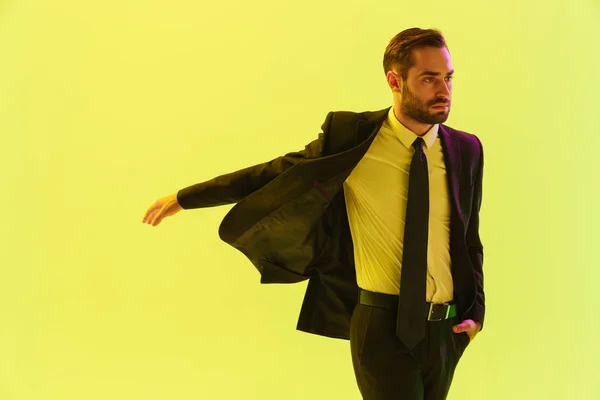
[(429, 315)]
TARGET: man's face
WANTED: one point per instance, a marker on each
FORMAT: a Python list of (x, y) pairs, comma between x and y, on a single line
[(428, 84)]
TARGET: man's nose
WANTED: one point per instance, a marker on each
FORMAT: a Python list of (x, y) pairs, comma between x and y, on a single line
[(444, 92)]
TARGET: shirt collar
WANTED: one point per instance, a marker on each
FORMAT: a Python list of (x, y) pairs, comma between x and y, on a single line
[(406, 136)]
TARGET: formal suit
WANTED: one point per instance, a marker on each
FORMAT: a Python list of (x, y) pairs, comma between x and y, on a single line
[(291, 218)]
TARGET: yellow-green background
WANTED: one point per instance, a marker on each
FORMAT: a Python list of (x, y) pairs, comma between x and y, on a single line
[(107, 106)]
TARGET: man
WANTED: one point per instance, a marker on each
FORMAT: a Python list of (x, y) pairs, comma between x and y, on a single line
[(381, 214)]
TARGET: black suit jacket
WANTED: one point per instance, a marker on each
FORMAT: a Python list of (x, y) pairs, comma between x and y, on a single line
[(290, 219)]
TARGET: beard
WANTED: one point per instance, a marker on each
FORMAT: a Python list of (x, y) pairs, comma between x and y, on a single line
[(420, 111)]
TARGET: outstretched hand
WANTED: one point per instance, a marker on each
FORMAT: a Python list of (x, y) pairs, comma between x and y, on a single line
[(162, 208)]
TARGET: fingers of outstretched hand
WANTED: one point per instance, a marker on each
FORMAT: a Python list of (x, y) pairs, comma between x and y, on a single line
[(152, 216), (162, 208)]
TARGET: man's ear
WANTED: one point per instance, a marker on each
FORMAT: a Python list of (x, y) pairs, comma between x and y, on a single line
[(394, 81)]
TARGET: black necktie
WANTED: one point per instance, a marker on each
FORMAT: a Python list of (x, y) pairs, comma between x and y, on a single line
[(412, 306)]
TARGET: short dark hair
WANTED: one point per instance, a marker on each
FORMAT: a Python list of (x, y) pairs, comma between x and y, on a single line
[(398, 52)]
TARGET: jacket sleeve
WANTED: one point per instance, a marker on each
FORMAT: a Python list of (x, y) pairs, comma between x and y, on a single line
[(233, 187), (474, 245)]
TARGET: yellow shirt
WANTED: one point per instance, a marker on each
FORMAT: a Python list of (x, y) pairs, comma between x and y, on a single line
[(376, 193)]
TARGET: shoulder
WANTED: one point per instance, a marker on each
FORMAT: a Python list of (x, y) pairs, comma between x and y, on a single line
[(340, 117), (339, 130), (468, 141), (462, 136), (345, 115)]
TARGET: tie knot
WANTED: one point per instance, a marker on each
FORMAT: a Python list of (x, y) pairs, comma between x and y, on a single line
[(418, 143)]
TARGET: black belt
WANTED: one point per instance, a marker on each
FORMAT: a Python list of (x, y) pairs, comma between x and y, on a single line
[(437, 311)]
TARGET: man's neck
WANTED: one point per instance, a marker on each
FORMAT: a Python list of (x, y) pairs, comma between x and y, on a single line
[(415, 127)]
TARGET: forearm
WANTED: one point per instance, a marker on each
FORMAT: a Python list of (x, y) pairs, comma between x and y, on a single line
[(477, 313), (233, 187)]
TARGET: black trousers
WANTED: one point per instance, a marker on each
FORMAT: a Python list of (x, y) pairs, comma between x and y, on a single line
[(386, 370)]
